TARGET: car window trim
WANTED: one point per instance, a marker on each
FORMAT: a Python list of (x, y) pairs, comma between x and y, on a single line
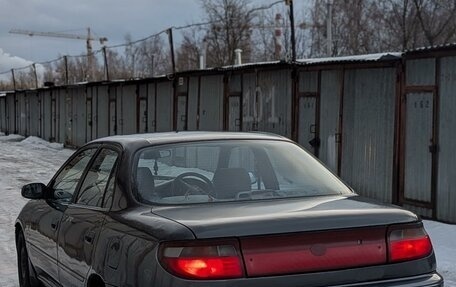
[(86, 171), (75, 154)]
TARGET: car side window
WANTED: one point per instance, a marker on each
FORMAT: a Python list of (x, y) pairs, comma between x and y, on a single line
[(67, 180), (97, 180)]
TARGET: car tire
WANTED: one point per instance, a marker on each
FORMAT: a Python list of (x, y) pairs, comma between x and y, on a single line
[(27, 277)]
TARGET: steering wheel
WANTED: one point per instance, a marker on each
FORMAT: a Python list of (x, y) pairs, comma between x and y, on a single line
[(196, 182)]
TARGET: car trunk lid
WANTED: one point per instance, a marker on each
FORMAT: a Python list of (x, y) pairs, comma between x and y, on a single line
[(270, 217)]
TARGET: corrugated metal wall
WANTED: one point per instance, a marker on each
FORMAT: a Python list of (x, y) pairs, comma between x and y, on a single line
[(164, 107), (359, 102), (193, 103), (211, 103), (46, 114), (307, 111), (3, 127), (21, 113), (368, 131), (267, 102), (418, 134), (330, 93), (446, 180), (142, 108), (11, 113)]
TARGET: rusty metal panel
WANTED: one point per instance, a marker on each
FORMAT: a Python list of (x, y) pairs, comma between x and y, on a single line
[(235, 84), (306, 122), (53, 117), (273, 99), (3, 127), (90, 112), (267, 102), (234, 113), (11, 112), (46, 115), (211, 103), (248, 102), (112, 93), (164, 108), (78, 116), (62, 115), (446, 177), (418, 136), (368, 131), (21, 113), (420, 72), (127, 109), (330, 89), (181, 113), (32, 113), (193, 92), (182, 84), (142, 108), (102, 112), (308, 82), (151, 108)]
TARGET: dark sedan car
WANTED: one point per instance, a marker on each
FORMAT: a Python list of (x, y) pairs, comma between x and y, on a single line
[(212, 209)]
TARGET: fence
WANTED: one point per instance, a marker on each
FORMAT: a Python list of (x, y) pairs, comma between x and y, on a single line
[(383, 122)]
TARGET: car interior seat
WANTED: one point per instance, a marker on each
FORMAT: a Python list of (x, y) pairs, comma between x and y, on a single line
[(228, 182), (145, 183)]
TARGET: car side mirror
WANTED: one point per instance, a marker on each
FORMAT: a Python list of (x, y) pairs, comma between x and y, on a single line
[(34, 191)]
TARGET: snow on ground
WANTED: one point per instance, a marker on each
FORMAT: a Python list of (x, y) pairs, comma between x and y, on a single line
[(29, 160), (21, 162)]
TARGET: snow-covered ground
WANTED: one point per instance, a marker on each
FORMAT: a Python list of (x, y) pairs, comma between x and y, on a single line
[(33, 160)]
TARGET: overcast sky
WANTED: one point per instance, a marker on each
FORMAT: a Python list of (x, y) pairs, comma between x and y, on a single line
[(108, 18)]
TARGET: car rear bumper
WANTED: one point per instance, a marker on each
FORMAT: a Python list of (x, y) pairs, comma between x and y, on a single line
[(428, 280)]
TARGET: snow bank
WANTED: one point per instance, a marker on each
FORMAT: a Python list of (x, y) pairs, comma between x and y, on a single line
[(11, 138), (36, 142)]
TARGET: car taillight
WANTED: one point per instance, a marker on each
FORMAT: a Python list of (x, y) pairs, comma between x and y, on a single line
[(203, 260), (408, 243)]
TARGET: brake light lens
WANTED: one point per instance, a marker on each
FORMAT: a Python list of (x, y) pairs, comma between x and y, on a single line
[(205, 260), (409, 243)]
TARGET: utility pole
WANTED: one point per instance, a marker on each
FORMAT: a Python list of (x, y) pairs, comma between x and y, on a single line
[(65, 61), (329, 28), (292, 28), (171, 46), (89, 55), (13, 78), (35, 75), (106, 67)]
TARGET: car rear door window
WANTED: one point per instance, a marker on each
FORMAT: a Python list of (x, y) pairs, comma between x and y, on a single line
[(98, 178), (67, 180)]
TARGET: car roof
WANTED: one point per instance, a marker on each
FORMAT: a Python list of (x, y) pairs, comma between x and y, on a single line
[(186, 136)]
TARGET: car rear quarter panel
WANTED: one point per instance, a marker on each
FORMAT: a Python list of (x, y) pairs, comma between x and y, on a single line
[(126, 253)]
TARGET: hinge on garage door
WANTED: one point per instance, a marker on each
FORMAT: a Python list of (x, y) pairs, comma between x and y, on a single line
[(433, 148)]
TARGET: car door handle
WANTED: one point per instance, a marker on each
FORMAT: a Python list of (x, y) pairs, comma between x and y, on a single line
[(89, 237)]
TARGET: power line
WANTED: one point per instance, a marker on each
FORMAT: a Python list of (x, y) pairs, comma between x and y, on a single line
[(265, 7)]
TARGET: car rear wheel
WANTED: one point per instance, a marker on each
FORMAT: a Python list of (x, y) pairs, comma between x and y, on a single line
[(27, 277)]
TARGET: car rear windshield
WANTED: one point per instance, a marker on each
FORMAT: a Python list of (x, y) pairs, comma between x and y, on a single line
[(230, 170)]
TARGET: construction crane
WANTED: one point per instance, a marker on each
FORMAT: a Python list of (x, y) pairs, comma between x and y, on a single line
[(88, 38)]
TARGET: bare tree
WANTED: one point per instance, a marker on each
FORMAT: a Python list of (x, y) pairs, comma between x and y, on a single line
[(230, 29), (190, 50), (437, 20)]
